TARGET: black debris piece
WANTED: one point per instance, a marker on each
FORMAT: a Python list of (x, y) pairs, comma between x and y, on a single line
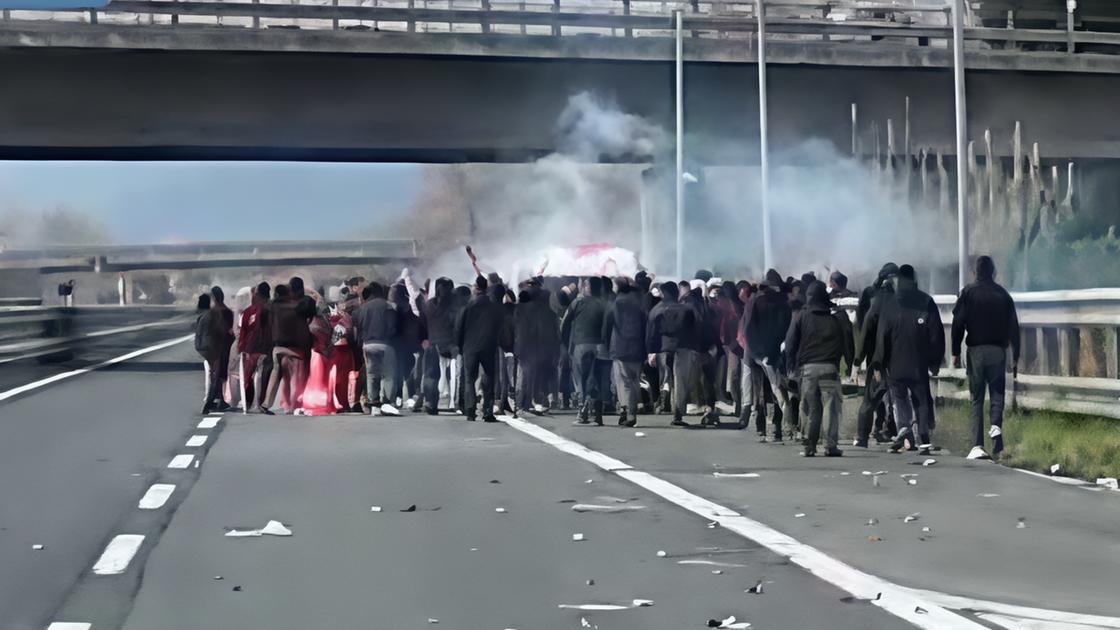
[(411, 508), (237, 588)]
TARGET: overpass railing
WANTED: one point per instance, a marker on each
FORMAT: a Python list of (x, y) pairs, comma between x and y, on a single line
[(991, 25)]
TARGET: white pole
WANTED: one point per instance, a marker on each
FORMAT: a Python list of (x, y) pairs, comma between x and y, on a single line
[(962, 141), (679, 185), (764, 141)]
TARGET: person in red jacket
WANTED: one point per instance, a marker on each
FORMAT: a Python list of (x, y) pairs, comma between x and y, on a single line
[(253, 343)]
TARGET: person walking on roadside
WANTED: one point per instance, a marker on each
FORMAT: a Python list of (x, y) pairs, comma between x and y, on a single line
[(219, 332), (478, 333), (766, 320), (875, 391), (536, 347), (407, 344), (291, 341), (673, 332), (254, 343), (376, 325), (984, 318), (910, 345), (582, 332), (439, 354), (624, 332), (818, 338)]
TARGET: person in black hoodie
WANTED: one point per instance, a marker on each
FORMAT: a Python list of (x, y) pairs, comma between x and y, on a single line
[(440, 314), (582, 332), (766, 320), (376, 326), (818, 338), (478, 332), (624, 332), (407, 342), (536, 345), (561, 301), (674, 329), (910, 345), (876, 397), (986, 312), (506, 366)]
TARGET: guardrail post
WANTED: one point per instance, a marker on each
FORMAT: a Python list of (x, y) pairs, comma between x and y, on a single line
[(7, 14), (93, 16), (1011, 29), (1111, 353), (1067, 347), (556, 11), (1071, 6), (1041, 351), (256, 18), (334, 22), (411, 22), (485, 21), (174, 17), (626, 11)]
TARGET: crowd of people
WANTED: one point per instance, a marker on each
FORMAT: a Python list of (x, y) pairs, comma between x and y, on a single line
[(771, 354)]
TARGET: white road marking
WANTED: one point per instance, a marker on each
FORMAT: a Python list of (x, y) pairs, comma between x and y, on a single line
[(120, 551), (208, 423), (1019, 623), (181, 461), (68, 625), (196, 440), (893, 598), (1026, 612), (11, 393), (156, 496)]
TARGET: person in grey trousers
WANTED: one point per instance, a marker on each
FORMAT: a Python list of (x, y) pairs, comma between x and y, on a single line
[(818, 337), (376, 325), (984, 318)]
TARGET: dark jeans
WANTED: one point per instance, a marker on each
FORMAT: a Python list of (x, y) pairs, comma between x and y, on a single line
[(875, 389), (486, 361), (532, 380), (820, 389), (429, 384), (591, 373), (913, 409), (987, 369), (664, 381), (685, 363)]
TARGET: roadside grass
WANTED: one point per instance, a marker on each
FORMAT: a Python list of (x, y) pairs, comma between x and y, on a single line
[(1087, 447)]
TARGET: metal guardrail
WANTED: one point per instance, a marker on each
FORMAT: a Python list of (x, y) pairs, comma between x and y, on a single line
[(923, 26), (28, 332)]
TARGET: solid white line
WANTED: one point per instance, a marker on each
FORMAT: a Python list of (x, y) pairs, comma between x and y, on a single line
[(1018, 623), (71, 374), (886, 595), (68, 625), (181, 461), (208, 423), (133, 328), (156, 496), (548, 437), (1012, 610), (196, 440), (114, 560)]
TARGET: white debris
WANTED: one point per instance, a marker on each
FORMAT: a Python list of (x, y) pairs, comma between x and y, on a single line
[(433, 620), (717, 572), (912, 482), (732, 623), (875, 480), (845, 474), (926, 530), (711, 563), (877, 472), (376, 508), (639, 434), (500, 510), (590, 481), (661, 554), (643, 603), (799, 515), (1108, 482), (588, 507), (872, 521), (583, 623), (637, 603), (908, 475), (987, 495), (578, 537), (1055, 468), (929, 462), (713, 525), (1022, 524), (913, 517), (720, 475), (38, 547), (272, 528)]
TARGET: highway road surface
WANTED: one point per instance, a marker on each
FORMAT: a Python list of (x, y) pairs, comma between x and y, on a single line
[(420, 522)]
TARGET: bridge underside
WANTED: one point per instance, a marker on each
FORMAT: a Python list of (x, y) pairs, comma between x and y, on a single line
[(131, 102)]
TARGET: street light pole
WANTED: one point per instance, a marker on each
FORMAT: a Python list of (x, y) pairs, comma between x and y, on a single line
[(962, 141), (679, 179), (764, 141)]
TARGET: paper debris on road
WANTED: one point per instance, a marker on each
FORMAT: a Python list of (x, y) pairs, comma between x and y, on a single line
[(591, 582), (578, 537), (661, 554), (38, 547), (877, 472), (987, 495), (1022, 524), (637, 603), (590, 481), (845, 474), (500, 510), (433, 620), (272, 528), (605, 509), (872, 521), (874, 538), (1054, 468), (926, 530), (218, 577), (583, 623), (639, 434), (1108, 482), (912, 482), (799, 515), (756, 589), (721, 475), (929, 462), (375, 508), (717, 572), (711, 563), (731, 623), (908, 475), (913, 517)]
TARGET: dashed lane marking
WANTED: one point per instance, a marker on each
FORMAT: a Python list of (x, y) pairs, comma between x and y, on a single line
[(156, 496), (68, 625), (196, 440), (120, 551), (209, 423), (181, 461)]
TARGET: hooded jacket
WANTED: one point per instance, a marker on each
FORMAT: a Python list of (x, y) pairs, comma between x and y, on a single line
[(624, 328), (672, 325), (439, 313), (536, 329), (986, 312), (480, 326), (583, 323), (410, 327), (818, 334), (376, 322), (766, 320), (910, 339)]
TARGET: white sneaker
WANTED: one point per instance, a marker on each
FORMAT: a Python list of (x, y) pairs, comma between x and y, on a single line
[(691, 409), (978, 452), (375, 412), (410, 404), (539, 408), (389, 410), (995, 431)]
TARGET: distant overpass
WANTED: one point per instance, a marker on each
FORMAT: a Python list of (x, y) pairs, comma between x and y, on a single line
[(124, 258), (155, 79)]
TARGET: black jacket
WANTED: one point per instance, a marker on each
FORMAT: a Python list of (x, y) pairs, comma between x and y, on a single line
[(439, 313), (624, 328), (583, 323), (376, 322), (817, 335), (289, 321), (536, 329), (673, 326), (910, 339), (480, 326), (871, 304), (986, 312), (766, 320)]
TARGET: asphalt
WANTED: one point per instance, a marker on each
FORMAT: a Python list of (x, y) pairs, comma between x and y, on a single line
[(75, 457)]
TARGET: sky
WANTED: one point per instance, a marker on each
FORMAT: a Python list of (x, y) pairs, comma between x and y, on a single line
[(167, 202)]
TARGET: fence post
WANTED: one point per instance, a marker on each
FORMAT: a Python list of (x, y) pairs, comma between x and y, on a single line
[(556, 11)]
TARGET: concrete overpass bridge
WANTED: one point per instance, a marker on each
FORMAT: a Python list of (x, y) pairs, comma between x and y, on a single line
[(428, 81)]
